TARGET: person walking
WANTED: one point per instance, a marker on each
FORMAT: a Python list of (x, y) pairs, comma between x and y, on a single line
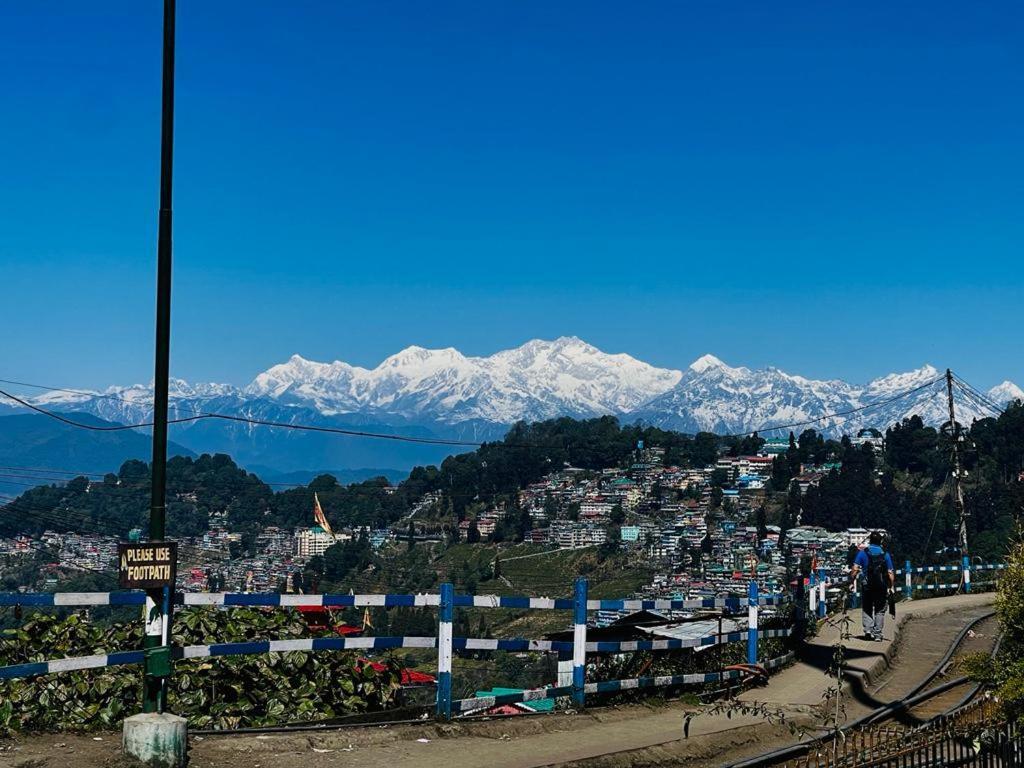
[(879, 579)]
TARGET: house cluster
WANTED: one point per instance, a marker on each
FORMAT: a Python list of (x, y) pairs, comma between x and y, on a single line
[(17, 546), (831, 550), (485, 523), (84, 552), (746, 472), (279, 555), (645, 505), (696, 532)]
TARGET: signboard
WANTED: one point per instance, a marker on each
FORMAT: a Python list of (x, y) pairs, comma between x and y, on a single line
[(147, 565)]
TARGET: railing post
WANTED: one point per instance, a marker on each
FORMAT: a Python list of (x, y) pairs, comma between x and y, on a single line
[(812, 593), (822, 597), (908, 581), (752, 623), (579, 642), (446, 614), (967, 573), (800, 618)]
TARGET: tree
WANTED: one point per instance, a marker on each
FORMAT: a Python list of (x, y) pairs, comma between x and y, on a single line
[(472, 533), (762, 523), (782, 472), (791, 512), (704, 449), (550, 506), (343, 558), (716, 497), (617, 516), (683, 552), (706, 546), (522, 523)]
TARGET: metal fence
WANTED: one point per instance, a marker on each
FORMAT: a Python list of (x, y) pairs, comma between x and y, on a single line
[(444, 641), (976, 735), (917, 582), (946, 578)]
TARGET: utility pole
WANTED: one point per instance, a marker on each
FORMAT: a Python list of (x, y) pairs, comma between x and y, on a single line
[(159, 601), (958, 493), (156, 737)]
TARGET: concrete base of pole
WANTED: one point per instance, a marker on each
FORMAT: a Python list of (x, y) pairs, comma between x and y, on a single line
[(160, 741)]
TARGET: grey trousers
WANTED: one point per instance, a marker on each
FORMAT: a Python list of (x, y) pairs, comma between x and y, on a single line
[(873, 615)]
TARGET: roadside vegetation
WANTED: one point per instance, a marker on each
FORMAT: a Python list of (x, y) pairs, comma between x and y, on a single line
[(227, 692), (1005, 673)]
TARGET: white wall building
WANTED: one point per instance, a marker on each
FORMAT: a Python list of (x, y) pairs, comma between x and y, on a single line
[(310, 542)]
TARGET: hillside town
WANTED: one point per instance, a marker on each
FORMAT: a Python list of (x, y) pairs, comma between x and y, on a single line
[(696, 528)]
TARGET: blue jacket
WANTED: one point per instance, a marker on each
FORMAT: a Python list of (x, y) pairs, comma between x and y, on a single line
[(862, 560), (874, 549)]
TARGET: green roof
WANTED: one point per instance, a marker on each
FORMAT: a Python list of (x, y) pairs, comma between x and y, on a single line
[(540, 705)]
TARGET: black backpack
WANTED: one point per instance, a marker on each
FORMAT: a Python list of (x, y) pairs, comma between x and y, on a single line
[(877, 575)]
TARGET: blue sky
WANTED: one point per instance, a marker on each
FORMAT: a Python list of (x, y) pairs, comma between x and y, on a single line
[(832, 188)]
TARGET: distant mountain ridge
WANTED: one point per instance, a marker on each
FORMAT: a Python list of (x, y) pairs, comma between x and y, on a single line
[(30, 442), (443, 393)]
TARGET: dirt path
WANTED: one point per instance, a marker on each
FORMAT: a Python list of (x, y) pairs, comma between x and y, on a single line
[(614, 737)]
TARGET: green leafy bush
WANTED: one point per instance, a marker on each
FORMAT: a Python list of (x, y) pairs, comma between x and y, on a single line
[(1008, 673), (218, 692), (1004, 674)]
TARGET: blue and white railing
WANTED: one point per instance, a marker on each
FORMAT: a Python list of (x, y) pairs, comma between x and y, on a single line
[(961, 580), (445, 643), (914, 580), (275, 600), (483, 703)]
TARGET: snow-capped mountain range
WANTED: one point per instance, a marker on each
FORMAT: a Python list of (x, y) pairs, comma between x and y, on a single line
[(538, 380), (442, 392)]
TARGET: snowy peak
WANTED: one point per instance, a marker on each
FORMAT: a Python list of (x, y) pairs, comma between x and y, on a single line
[(1004, 393), (899, 382), (704, 362), (420, 358)]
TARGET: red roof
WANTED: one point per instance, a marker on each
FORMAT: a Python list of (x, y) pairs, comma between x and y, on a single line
[(319, 618), (408, 676)]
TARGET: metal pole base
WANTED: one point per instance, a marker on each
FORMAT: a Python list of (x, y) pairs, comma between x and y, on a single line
[(160, 741)]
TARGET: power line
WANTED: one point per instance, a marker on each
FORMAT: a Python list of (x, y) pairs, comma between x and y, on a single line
[(86, 393), (49, 474), (973, 388), (974, 394), (838, 414), (975, 400), (405, 438), (246, 420), (83, 522), (32, 544), (979, 396), (44, 550)]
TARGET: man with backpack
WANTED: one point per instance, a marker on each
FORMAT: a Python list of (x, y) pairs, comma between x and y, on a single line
[(879, 579)]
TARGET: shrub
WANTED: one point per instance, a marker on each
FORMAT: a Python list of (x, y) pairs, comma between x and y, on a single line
[(217, 692)]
